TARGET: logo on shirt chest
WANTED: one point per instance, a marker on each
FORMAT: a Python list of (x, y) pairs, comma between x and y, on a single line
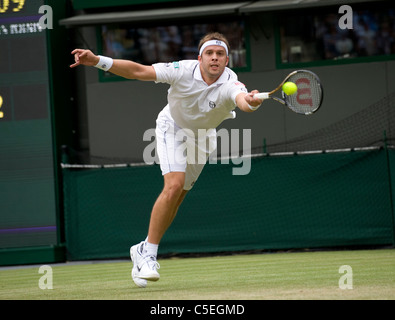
[(212, 104)]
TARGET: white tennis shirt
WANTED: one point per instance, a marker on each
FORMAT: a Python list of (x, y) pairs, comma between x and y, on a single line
[(192, 102)]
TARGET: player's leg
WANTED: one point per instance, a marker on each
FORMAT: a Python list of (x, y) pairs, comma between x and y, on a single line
[(177, 183), (173, 166), (163, 212), (166, 206), (179, 177)]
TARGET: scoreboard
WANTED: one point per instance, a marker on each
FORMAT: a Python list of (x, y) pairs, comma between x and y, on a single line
[(27, 175), (18, 5), (23, 62)]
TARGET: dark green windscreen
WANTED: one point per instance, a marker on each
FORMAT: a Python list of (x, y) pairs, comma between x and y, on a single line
[(303, 201), (27, 190)]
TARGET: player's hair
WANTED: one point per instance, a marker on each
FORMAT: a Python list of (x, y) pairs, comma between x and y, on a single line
[(214, 36)]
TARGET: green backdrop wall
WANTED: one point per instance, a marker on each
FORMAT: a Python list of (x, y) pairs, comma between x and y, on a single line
[(300, 201)]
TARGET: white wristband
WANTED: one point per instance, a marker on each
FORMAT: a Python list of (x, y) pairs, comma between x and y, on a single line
[(105, 63), (253, 108)]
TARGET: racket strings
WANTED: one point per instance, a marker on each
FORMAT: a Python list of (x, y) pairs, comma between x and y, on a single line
[(308, 98)]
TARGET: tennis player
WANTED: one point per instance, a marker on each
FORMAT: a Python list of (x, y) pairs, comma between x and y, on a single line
[(202, 94)]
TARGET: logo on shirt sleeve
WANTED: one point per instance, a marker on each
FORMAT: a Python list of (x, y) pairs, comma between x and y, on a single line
[(241, 86), (176, 65)]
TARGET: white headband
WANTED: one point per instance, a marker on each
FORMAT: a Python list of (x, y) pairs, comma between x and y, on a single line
[(213, 43)]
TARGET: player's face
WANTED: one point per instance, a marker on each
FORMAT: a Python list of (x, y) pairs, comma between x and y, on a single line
[(213, 62)]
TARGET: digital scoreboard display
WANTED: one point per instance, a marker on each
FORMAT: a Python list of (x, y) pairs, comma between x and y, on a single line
[(18, 5), (27, 191), (23, 61)]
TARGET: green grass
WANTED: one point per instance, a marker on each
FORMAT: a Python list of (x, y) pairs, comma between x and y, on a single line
[(298, 275)]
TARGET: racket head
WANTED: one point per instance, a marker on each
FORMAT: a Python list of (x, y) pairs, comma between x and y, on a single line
[(310, 94)]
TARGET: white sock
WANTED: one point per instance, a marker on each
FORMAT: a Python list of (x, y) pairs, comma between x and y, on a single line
[(150, 249)]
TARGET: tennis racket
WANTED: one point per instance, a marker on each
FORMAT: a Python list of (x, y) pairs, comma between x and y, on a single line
[(306, 100)]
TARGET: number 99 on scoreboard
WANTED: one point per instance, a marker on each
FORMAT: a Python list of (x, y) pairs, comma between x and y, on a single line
[(8, 6)]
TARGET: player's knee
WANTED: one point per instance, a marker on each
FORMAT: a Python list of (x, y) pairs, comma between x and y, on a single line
[(173, 189)]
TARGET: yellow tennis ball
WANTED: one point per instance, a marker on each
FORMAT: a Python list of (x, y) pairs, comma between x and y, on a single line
[(289, 88)]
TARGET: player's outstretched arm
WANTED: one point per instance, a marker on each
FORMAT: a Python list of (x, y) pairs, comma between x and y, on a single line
[(124, 68)]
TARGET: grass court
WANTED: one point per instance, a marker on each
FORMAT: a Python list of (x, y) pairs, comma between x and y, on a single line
[(275, 276)]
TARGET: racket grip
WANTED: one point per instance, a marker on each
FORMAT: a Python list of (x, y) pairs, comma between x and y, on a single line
[(261, 95)]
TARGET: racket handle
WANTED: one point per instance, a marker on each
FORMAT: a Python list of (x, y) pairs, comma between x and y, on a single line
[(262, 95)]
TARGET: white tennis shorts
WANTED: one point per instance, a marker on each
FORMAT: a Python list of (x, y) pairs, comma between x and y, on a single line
[(180, 150)]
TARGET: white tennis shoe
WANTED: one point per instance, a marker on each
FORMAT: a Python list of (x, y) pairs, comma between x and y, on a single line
[(144, 267)]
